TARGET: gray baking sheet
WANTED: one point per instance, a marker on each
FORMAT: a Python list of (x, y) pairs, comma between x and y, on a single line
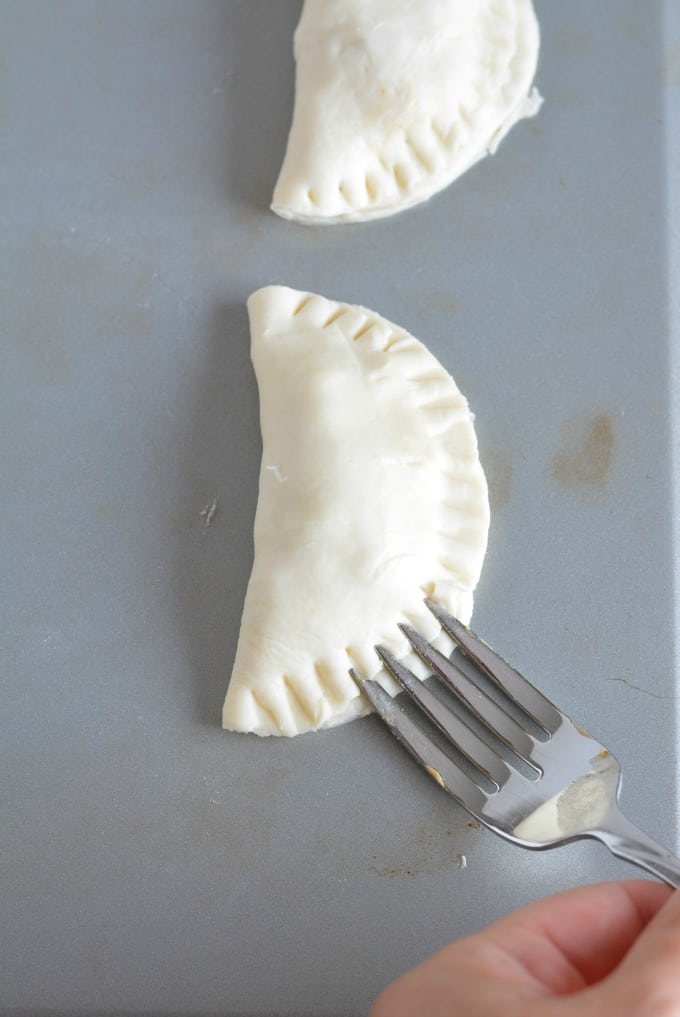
[(153, 863)]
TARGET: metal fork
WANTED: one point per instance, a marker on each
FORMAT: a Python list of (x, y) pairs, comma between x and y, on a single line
[(568, 786)]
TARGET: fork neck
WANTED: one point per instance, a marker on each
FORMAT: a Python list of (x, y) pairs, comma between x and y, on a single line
[(626, 841)]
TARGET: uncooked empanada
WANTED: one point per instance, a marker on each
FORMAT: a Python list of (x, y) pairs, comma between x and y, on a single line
[(371, 497), (394, 99)]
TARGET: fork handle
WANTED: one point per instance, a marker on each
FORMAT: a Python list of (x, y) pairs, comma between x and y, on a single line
[(626, 841)]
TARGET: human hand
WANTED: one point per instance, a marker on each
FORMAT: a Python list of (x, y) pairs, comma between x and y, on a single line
[(599, 950)]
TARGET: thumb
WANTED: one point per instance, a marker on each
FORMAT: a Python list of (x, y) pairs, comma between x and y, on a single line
[(647, 981)]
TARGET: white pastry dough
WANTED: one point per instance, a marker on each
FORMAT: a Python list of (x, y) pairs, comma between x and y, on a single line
[(371, 497), (394, 99)]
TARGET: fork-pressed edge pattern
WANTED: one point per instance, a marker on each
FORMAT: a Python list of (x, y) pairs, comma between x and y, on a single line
[(576, 780)]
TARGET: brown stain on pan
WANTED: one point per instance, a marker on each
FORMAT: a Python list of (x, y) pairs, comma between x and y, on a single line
[(586, 453), (426, 851)]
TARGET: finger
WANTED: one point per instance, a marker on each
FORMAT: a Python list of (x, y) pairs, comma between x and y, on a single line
[(556, 946), (648, 979), (667, 918), (574, 939)]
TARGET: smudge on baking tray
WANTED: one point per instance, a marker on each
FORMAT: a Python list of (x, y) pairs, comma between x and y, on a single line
[(432, 851), (209, 512), (586, 453)]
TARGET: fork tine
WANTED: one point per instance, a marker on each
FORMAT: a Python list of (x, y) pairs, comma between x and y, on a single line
[(509, 680), (440, 767), (463, 737), (482, 705)]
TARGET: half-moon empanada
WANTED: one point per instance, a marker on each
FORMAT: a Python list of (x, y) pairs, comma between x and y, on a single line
[(394, 99), (371, 497)]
